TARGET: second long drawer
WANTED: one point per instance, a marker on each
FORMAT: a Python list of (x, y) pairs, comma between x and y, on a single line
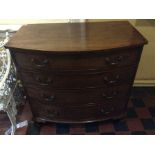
[(78, 80)]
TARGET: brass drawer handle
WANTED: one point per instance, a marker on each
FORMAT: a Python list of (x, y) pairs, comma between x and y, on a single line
[(111, 96), (48, 98), (43, 82), (103, 111), (112, 63), (112, 81), (111, 109), (40, 63)]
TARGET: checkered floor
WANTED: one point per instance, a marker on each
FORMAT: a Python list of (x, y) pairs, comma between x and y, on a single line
[(140, 120)]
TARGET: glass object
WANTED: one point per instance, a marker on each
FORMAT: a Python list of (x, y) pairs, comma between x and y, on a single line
[(11, 90)]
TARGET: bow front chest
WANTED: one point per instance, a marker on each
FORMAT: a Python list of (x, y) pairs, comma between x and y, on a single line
[(77, 72)]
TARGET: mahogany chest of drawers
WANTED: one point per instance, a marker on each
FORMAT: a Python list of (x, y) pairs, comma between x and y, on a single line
[(77, 72)]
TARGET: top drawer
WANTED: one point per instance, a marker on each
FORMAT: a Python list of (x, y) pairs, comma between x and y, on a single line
[(77, 62)]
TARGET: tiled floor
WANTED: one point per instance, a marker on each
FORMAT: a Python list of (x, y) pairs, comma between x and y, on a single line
[(140, 120)]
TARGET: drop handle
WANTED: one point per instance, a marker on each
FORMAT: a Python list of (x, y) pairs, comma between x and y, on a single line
[(109, 96), (103, 111), (113, 63), (106, 79), (48, 98), (42, 63), (43, 82)]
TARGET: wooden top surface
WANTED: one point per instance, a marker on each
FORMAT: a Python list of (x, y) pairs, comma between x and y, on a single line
[(67, 37)]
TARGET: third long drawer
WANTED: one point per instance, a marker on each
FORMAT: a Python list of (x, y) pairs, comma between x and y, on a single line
[(79, 97)]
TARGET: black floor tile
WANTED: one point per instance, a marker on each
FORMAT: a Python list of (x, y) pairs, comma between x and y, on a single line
[(92, 127), (149, 124), (152, 111), (151, 90), (62, 128), (33, 129), (139, 91), (120, 126), (131, 112), (138, 102)]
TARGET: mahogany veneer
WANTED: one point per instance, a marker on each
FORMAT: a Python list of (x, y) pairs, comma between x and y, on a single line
[(77, 72)]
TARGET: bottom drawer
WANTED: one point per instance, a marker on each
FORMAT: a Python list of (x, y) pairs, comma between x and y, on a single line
[(75, 114)]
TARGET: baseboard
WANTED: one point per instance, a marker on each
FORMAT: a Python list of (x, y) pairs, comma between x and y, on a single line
[(144, 83)]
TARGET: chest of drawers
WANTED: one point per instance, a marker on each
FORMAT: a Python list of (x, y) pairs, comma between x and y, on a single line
[(77, 72)]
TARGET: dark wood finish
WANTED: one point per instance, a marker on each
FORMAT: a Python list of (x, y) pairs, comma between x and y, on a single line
[(78, 80), (77, 72), (75, 97), (78, 62), (80, 114), (76, 37)]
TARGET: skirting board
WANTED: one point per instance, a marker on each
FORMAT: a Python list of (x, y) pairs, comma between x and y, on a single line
[(144, 83)]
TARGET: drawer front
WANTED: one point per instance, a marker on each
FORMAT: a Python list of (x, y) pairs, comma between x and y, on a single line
[(78, 81), (106, 60), (79, 97), (74, 114)]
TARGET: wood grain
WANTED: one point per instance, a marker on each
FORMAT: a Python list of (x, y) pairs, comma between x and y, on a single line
[(79, 37)]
